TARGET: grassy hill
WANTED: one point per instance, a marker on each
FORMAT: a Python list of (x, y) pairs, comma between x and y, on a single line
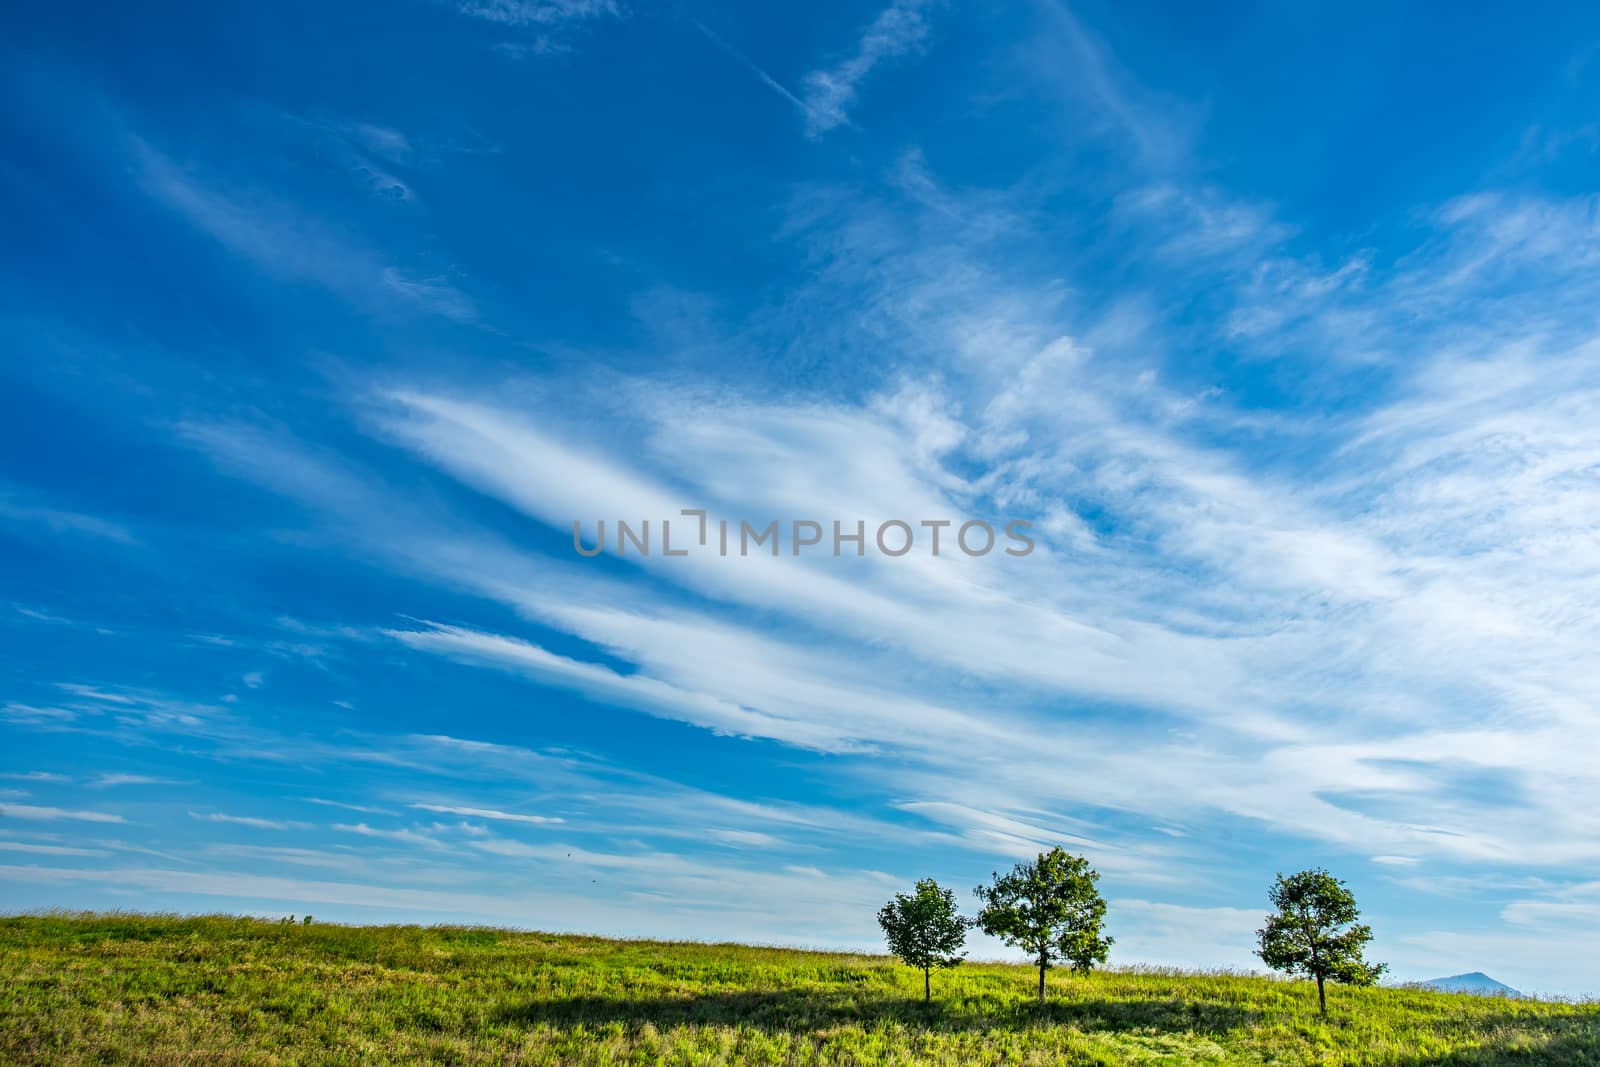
[(152, 989)]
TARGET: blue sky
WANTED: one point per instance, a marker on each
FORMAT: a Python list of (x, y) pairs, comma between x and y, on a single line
[(323, 323)]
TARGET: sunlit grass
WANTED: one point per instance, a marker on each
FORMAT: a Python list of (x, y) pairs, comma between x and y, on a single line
[(155, 989)]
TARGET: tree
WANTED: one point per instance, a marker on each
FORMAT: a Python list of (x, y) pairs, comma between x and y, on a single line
[(925, 930), (1050, 909), (1314, 932)]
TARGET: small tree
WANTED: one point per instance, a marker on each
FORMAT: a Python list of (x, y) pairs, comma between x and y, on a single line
[(925, 930), (1314, 932), (1050, 909)]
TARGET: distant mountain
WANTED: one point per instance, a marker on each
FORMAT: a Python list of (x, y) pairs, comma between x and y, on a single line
[(1475, 982)]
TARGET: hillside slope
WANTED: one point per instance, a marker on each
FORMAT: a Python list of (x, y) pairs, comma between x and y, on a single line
[(145, 989)]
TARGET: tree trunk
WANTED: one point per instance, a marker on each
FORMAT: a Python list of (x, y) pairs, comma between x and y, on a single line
[(1043, 963), (927, 986), (1322, 997)]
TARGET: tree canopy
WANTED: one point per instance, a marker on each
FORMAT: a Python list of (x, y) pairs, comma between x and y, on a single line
[(925, 930), (1314, 932), (1049, 908)]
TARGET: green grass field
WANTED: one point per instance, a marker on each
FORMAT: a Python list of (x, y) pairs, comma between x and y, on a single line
[(143, 989)]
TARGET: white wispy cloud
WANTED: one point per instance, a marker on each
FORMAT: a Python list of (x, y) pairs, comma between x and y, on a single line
[(521, 13), (402, 835), (252, 821), (1067, 54), (540, 27), (830, 92), (41, 616), (604, 683), (488, 813), (286, 242), (50, 850), (344, 862), (1260, 543), (30, 713), (432, 294), (743, 838), (24, 509), (110, 780), (368, 153), (44, 813), (365, 809)]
